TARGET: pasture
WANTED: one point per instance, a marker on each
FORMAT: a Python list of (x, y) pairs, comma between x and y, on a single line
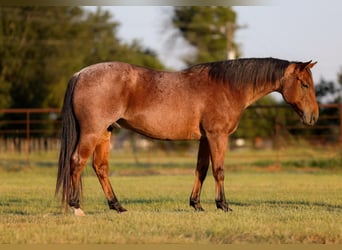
[(284, 196)]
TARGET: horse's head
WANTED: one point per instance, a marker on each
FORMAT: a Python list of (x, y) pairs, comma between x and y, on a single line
[(298, 90)]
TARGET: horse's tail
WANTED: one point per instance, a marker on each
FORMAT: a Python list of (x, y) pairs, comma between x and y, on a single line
[(69, 140)]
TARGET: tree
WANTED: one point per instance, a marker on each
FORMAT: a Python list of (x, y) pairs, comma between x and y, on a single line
[(5, 97), (209, 29), (259, 120), (339, 81), (329, 92), (29, 37), (41, 47)]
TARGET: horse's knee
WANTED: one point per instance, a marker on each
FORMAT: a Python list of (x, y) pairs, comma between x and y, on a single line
[(219, 173), (77, 164)]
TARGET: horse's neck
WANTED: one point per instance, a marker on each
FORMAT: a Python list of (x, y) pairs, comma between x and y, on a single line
[(252, 95)]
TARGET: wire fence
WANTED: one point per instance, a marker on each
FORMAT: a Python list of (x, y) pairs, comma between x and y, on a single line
[(28, 130)]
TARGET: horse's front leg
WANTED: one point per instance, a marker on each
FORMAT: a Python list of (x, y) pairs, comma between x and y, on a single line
[(201, 173), (218, 146)]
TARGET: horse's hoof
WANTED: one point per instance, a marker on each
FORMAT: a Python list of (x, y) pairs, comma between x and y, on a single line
[(196, 205), (115, 205), (78, 212), (121, 210), (199, 209), (224, 206), (229, 209)]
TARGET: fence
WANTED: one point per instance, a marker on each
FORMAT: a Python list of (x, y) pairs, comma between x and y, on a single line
[(282, 126), (27, 130)]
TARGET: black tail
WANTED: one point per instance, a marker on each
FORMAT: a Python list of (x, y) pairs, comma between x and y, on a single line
[(69, 139)]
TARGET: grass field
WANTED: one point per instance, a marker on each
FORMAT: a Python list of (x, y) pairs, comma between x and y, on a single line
[(277, 197)]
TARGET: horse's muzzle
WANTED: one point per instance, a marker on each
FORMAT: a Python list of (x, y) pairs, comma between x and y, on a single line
[(310, 118)]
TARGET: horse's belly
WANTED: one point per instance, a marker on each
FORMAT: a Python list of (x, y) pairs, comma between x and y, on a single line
[(163, 128)]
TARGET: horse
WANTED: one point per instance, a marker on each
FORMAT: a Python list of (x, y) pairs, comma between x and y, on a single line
[(203, 102)]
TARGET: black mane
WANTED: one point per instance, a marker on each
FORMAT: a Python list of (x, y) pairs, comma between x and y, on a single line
[(246, 71)]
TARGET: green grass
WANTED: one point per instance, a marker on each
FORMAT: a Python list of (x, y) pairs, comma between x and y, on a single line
[(271, 205)]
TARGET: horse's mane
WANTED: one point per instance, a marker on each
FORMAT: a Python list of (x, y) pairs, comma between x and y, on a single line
[(242, 72)]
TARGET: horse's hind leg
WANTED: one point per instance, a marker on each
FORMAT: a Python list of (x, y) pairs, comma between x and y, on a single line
[(201, 173), (78, 162), (100, 165)]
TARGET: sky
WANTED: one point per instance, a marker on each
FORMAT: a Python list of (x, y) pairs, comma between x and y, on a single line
[(298, 30)]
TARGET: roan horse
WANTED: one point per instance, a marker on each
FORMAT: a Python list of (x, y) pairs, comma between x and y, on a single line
[(203, 102)]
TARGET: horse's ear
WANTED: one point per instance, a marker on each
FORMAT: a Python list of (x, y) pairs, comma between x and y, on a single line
[(308, 64), (298, 66), (311, 64)]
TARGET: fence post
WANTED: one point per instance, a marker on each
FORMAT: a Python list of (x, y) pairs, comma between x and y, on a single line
[(28, 150)]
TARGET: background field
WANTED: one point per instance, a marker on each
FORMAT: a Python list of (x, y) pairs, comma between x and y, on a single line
[(283, 196)]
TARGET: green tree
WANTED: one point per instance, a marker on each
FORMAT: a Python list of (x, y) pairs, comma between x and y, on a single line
[(41, 47), (5, 97), (209, 29), (258, 120), (32, 40), (329, 92)]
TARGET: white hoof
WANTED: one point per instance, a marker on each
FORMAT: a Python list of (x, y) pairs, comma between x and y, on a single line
[(79, 212)]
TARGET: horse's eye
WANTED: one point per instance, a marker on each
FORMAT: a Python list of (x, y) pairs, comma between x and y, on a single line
[(305, 85)]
